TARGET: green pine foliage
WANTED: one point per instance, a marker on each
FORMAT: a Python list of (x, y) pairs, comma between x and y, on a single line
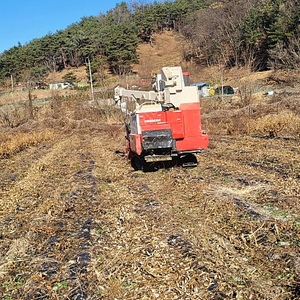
[(258, 33), (268, 30)]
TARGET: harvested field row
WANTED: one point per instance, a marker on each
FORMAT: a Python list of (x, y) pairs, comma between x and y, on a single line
[(79, 223)]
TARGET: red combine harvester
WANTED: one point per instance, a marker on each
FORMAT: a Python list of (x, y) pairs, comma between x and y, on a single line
[(163, 125)]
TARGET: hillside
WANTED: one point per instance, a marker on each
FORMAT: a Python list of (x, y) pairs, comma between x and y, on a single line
[(77, 222), (256, 35), (167, 49)]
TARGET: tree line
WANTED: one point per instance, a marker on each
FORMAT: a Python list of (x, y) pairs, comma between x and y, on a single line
[(254, 33), (260, 34)]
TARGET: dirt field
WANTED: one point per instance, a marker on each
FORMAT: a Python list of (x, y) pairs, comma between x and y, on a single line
[(78, 223)]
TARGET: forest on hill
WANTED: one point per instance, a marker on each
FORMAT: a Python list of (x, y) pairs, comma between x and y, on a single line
[(78, 222), (260, 34)]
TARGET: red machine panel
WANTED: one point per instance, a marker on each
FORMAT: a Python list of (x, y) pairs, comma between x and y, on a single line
[(185, 125), (152, 118), (175, 119), (136, 143), (153, 121), (194, 138)]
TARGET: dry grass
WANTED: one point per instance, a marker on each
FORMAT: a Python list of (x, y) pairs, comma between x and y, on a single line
[(10, 144), (165, 50), (277, 116), (78, 223), (273, 125), (13, 116)]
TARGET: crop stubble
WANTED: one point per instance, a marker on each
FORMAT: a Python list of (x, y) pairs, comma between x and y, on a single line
[(78, 223)]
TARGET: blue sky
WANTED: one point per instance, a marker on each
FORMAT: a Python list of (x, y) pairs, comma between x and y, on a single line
[(24, 20)]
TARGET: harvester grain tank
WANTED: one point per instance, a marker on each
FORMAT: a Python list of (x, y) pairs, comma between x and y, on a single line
[(163, 125)]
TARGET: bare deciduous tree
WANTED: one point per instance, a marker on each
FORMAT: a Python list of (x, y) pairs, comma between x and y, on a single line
[(286, 56), (216, 33), (29, 82)]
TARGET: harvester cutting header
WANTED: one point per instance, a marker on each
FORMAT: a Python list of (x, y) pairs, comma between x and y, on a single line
[(163, 124)]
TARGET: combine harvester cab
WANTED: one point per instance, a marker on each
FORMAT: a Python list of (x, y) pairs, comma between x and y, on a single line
[(163, 125)]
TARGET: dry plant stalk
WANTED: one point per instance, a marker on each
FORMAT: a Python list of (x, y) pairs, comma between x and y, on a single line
[(273, 124), (11, 144)]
